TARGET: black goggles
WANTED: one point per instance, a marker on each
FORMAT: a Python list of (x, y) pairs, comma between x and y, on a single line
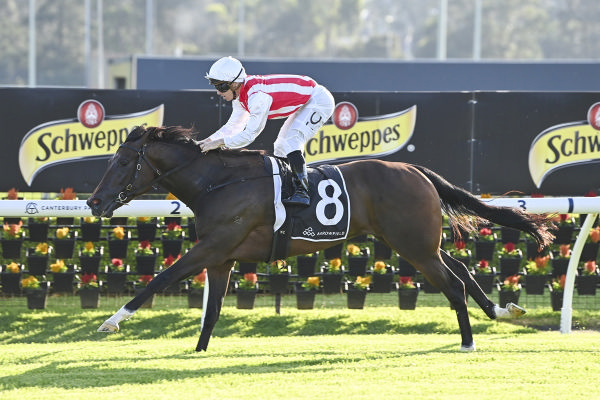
[(223, 86)]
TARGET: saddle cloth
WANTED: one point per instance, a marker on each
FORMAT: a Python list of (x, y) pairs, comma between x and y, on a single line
[(328, 216)]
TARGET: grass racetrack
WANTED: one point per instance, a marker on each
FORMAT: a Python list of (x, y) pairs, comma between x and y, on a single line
[(379, 352)]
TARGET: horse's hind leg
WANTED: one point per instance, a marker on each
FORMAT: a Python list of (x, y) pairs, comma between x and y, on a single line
[(474, 290), (439, 275)]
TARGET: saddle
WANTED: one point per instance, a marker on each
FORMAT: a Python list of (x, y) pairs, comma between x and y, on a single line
[(326, 219)]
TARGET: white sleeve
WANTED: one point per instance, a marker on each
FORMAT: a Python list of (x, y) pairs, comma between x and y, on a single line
[(235, 124), (259, 105)]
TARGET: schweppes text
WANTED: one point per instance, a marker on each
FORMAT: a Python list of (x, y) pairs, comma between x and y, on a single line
[(561, 146), (370, 137), (65, 141)]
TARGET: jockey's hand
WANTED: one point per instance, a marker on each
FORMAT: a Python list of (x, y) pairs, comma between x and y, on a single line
[(208, 144)]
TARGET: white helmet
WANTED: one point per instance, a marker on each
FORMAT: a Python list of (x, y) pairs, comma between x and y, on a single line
[(227, 69)]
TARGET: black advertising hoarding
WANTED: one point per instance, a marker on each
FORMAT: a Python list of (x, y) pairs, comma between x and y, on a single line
[(486, 142)]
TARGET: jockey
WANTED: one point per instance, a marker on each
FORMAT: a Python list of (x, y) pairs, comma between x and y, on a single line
[(256, 98)]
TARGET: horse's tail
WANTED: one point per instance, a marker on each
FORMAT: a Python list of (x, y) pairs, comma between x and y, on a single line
[(459, 205)]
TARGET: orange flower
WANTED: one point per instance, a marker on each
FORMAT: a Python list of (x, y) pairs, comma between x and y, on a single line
[(62, 233), (12, 231), (198, 280), (67, 194), (119, 232), (251, 277), (589, 268), (541, 262), (595, 234), (565, 250)]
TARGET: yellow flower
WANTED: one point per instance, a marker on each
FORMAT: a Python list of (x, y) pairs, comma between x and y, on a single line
[(380, 267), (62, 233), (58, 266), (89, 220), (170, 196), (119, 232), (143, 219), (30, 282), (13, 267), (335, 264), (89, 246), (353, 250), (41, 248)]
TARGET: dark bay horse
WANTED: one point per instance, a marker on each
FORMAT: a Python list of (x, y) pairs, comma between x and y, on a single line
[(232, 195)]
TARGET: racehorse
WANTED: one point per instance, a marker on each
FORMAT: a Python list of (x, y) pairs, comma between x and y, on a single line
[(232, 197)]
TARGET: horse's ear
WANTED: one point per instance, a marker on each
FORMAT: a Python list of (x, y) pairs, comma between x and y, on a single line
[(136, 133)]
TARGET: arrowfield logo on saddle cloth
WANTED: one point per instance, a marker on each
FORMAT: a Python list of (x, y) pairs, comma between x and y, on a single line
[(328, 216)]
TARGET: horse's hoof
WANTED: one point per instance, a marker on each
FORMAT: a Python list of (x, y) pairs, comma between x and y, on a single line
[(108, 327), (470, 347), (515, 310)]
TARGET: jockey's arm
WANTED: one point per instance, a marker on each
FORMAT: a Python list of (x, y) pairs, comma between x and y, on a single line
[(259, 105)]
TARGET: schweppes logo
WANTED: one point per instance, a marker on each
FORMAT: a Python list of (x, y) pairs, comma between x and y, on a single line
[(564, 145), (90, 135), (368, 137)]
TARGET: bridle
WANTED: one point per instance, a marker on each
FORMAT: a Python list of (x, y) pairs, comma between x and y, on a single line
[(130, 190)]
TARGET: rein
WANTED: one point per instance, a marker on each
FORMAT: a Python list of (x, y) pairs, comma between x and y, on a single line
[(130, 189)]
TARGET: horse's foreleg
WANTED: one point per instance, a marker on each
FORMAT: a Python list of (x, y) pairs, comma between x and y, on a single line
[(183, 268), (216, 287)]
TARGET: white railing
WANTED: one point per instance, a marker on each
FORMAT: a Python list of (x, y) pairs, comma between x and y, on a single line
[(166, 208)]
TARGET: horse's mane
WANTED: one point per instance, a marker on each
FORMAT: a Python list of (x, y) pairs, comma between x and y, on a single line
[(179, 135)]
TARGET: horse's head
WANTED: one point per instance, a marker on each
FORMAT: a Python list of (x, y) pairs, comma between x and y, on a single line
[(128, 175)]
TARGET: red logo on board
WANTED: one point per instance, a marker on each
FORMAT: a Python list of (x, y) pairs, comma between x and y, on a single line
[(90, 113), (593, 116), (345, 115)]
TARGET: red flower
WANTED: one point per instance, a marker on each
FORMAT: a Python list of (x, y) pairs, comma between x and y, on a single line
[(564, 217), (117, 262), (537, 195), (459, 244), (145, 244), (145, 279), (483, 264), (485, 231), (591, 193), (201, 277), (509, 247), (88, 278), (170, 260), (405, 280), (173, 226)]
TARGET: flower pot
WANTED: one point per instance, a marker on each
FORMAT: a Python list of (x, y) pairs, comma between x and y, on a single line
[(357, 265), (356, 298), (332, 283), (117, 248), (247, 267), (38, 231), (245, 299), (65, 221), (63, 282), (89, 297), (381, 250), (191, 229), (359, 239), (170, 220), (90, 232), (589, 252), (195, 298), (145, 264), (535, 284), (306, 265), (305, 299), (509, 235), (37, 264), (405, 268), (564, 234), (509, 266), (37, 298), (556, 300), (407, 298), (484, 250), (279, 283), (382, 283), (171, 247), (63, 248), (586, 284), (508, 296), (148, 303), (485, 282), (146, 231), (333, 252), (118, 221), (116, 281), (91, 264), (11, 248), (11, 283), (559, 266)]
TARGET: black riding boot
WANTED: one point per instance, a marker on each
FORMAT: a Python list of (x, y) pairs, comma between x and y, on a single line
[(300, 196)]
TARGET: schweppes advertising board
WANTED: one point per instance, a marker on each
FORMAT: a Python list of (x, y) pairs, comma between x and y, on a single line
[(91, 135), (350, 138), (565, 145)]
